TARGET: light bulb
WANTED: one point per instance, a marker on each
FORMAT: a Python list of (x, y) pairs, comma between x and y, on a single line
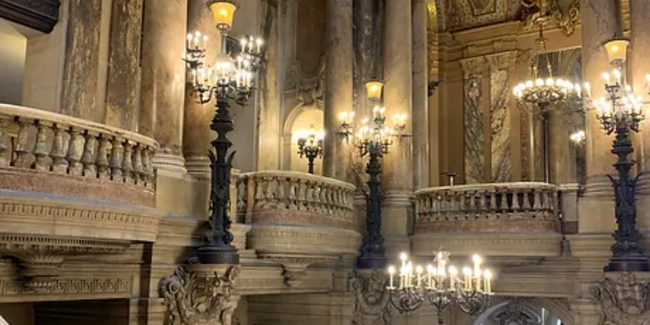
[(391, 270), (453, 271), (539, 82), (550, 82), (529, 84), (476, 258)]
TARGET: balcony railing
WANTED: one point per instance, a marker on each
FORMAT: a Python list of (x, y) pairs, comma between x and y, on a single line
[(35, 141), (296, 198), (504, 207)]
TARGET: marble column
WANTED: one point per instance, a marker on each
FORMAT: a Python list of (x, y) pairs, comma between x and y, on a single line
[(559, 149), (338, 87), (196, 123), (367, 57), (420, 96), (639, 66), (599, 24), (123, 79), (397, 177), (81, 69), (163, 80), (270, 95)]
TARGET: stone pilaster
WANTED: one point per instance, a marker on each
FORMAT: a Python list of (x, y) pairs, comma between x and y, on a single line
[(163, 80), (420, 96), (367, 57), (639, 66), (123, 78), (599, 24), (476, 98), (397, 177), (196, 124), (338, 87)]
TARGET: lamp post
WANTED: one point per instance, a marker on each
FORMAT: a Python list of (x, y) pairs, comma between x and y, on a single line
[(310, 145), (441, 284), (373, 139), (619, 112), (228, 79)]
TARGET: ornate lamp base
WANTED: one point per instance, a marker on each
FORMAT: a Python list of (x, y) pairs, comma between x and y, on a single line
[(216, 255), (628, 264), (368, 262)]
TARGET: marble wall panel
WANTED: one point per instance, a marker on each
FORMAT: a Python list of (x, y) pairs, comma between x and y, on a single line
[(501, 162), (474, 138), (82, 55)]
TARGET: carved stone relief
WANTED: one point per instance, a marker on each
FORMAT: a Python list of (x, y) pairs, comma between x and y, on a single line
[(564, 13), (197, 297), (623, 301), (370, 298)]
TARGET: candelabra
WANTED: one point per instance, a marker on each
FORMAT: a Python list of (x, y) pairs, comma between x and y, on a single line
[(620, 111), (441, 285), (373, 138), (228, 79), (310, 145)]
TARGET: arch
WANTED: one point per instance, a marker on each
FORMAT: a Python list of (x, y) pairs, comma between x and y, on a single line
[(300, 118), (555, 307)]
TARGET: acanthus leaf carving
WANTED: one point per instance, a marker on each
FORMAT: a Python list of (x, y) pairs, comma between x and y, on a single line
[(199, 298), (565, 18), (624, 301)]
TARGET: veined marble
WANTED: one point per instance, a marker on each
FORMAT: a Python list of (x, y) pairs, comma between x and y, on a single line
[(474, 139), (501, 163)]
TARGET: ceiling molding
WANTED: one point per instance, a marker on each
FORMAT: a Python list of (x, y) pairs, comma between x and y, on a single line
[(41, 15)]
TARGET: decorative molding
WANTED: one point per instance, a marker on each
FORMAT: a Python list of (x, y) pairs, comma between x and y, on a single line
[(371, 298), (502, 61), (295, 266), (624, 301), (199, 298), (75, 285), (41, 15)]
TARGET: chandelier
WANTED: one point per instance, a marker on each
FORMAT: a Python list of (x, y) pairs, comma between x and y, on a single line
[(231, 74), (310, 145), (620, 108), (542, 91), (440, 284)]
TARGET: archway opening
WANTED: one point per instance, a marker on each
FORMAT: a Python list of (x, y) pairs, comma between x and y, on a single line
[(518, 313)]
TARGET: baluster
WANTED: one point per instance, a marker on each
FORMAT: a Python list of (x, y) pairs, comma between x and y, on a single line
[(526, 203), (538, 205), (493, 209), (462, 206), (22, 148), (281, 193), (324, 199), (336, 198), (302, 194), (271, 186), (138, 167), (75, 151), (59, 149), (516, 207), (309, 200), (260, 193), (40, 147), (127, 163), (147, 166), (103, 170), (293, 185), (317, 198), (90, 155), (4, 141)]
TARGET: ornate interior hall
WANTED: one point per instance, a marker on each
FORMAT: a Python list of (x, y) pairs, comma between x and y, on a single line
[(324, 162)]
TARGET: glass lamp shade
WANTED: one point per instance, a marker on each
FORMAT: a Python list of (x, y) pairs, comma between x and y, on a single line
[(617, 49), (223, 13), (374, 89)]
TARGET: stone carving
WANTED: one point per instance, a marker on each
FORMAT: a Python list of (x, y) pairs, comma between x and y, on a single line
[(515, 313), (565, 13), (198, 298), (371, 298), (95, 286), (625, 301), (41, 15), (295, 266)]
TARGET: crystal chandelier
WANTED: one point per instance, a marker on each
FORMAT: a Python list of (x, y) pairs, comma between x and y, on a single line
[(310, 145), (441, 284), (542, 91)]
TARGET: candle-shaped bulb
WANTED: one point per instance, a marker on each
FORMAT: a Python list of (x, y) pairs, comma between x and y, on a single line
[(617, 75), (606, 77), (488, 281), (402, 256), (476, 259), (391, 270)]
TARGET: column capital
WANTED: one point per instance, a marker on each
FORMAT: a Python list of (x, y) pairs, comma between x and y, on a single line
[(473, 67), (502, 61)]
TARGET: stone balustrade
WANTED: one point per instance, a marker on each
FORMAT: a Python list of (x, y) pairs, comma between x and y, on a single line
[(296, 198), (501, 215), (35, 141), (297, 219)]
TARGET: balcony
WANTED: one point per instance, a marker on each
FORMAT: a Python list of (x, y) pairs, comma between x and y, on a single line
[(70, 187), (297, 219), (504, 219)]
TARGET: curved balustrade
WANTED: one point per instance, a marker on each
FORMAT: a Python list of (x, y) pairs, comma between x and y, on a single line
[(34, 141), (488, 208), (296, 198), (297, 216)]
